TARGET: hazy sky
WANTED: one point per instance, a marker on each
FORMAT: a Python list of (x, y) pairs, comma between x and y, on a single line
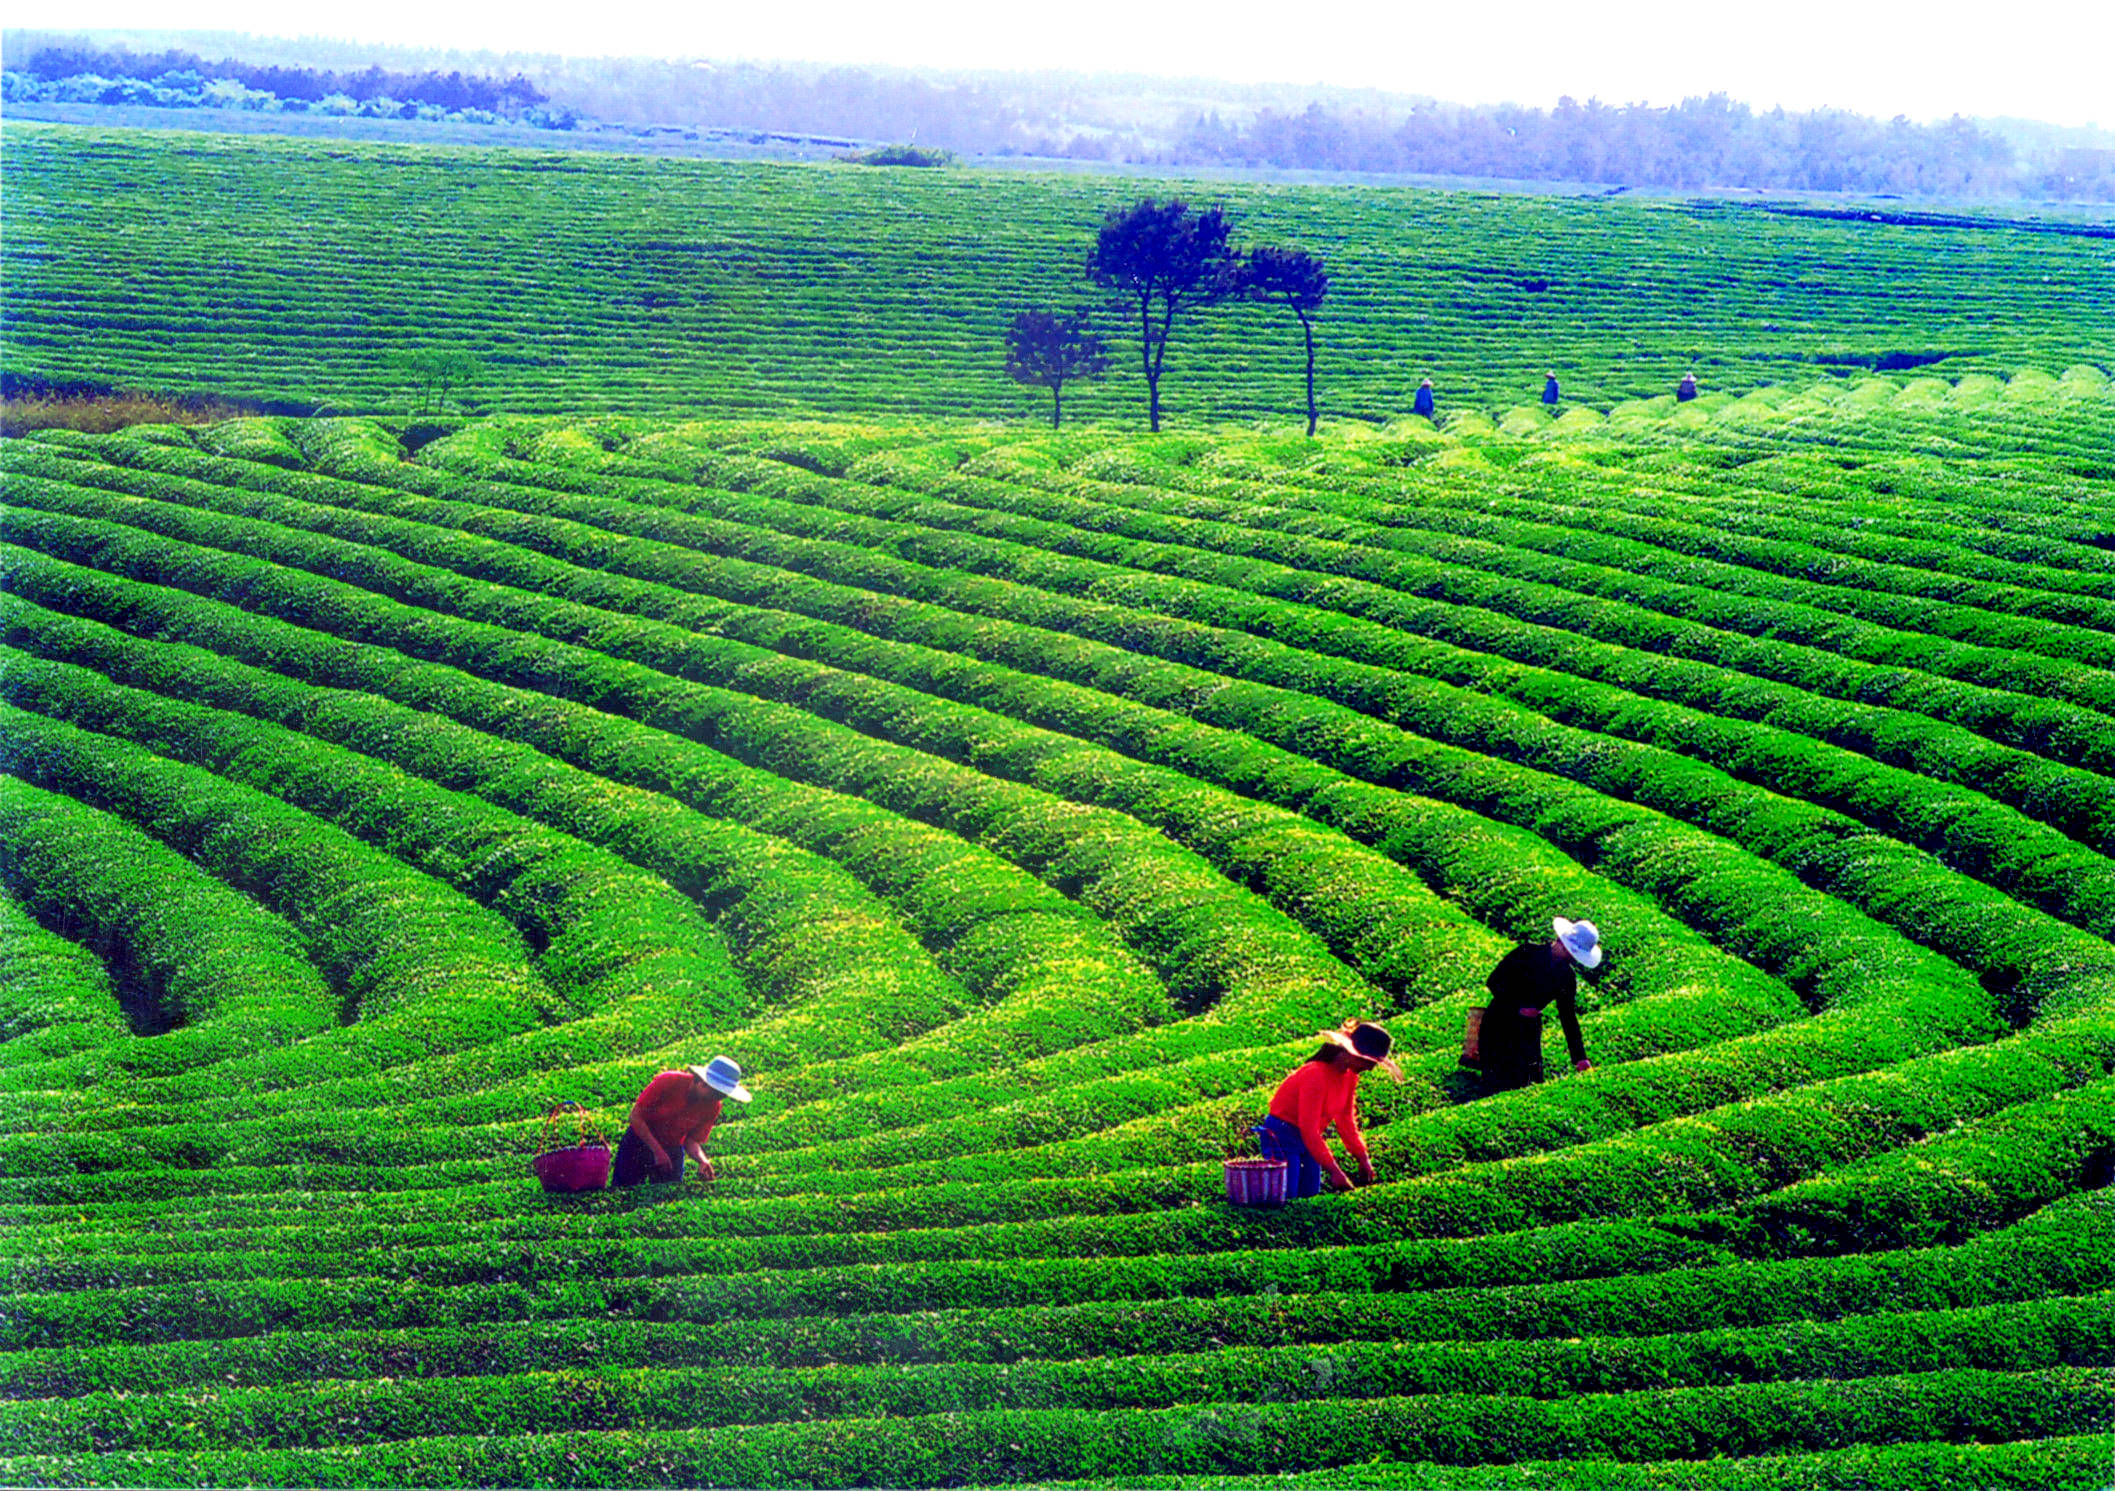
[(2038, 59)]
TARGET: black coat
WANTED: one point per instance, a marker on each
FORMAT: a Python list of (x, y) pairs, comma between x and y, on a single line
[(1533, 976)]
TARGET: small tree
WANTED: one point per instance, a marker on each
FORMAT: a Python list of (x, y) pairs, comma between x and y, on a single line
[(1159, 257), (436, 374), (1044, 350), (1294, 279)]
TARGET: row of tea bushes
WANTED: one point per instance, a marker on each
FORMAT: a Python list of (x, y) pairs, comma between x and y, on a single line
[(1045, 793), (305, 270)]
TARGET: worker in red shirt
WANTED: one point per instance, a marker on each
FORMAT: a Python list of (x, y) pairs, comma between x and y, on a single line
[(672, 1117), (1321, 1092)]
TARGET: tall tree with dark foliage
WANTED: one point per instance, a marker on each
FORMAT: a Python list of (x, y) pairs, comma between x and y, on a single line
[(1159, 257), (1295, 279)]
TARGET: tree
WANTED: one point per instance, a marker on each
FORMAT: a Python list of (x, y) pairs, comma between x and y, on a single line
[(1044, 350), (437, 373), (1162, 255), (1294, 279)]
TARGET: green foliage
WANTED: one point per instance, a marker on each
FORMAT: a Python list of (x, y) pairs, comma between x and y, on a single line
[(294, 270), (1016, 807), (433, 375), (901, 155), (55, 997), (212, 974)]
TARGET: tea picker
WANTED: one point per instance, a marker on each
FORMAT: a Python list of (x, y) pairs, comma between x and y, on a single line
[(672, 1118), (1505, 1037), (1322, 1093)]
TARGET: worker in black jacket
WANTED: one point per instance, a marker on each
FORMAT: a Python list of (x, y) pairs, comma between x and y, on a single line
[(1527, 981)]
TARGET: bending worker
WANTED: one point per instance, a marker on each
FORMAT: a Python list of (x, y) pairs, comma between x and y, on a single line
[(1324, 1090), (673, 1117), (1527, 981)]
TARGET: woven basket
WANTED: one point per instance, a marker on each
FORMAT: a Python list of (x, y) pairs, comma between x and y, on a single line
[(1472, 1038), (583, 1165), (1255, 1182)]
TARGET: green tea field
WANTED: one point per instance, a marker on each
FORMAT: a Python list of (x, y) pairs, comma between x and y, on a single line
[(1015, 806), (761, 675), (301, 272)]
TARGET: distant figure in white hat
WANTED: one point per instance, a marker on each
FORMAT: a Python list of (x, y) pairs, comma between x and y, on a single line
[(673, 1117), (1527, 981)]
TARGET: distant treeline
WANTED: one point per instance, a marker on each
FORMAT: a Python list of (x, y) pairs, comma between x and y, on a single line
[(1699, 142), (179, 72), (852, 102)]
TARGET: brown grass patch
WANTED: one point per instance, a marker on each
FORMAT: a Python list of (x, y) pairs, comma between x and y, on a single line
[(98, 413)]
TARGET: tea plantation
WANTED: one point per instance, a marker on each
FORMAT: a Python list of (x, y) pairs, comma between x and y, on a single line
[(303, 272), (1015, 806)]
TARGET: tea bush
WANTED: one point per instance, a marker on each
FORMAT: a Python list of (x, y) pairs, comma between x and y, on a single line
[(1017, 806)]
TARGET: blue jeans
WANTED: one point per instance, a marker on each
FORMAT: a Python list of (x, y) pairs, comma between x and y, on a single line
[(635, 1163), (1303, 1172)]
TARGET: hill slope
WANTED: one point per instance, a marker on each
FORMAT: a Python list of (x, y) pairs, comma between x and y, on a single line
[(1015, 807), (303, 271)]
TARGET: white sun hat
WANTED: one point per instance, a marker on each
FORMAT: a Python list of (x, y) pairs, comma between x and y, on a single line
[(1581, 940), (723, 1077)]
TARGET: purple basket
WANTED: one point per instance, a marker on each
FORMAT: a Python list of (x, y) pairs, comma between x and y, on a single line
[(1255, 1182), (585, 1167)]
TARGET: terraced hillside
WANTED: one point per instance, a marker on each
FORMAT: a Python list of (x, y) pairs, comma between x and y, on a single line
[(301, 271), (1015, 807)]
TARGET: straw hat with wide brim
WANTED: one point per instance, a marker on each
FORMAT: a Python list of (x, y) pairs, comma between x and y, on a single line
[(1581, 940), (723, 1077), (1343, 1037)]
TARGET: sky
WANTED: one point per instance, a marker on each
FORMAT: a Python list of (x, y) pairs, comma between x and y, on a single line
[(2052, 60)]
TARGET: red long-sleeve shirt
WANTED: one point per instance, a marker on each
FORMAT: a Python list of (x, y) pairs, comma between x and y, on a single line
[(677, 1108), (1315, 1096)]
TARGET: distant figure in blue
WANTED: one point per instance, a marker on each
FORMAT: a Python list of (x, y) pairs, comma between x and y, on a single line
[(1549, 389), (1424, 399), (1687, 391)]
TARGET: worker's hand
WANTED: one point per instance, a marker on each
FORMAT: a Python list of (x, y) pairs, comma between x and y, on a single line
[(1582, 1065), (1365, 1172), (705, 1171), (661, 1159), (1339, 1181)]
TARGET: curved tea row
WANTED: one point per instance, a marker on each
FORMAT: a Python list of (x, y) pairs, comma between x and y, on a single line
[(1015, 807)]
